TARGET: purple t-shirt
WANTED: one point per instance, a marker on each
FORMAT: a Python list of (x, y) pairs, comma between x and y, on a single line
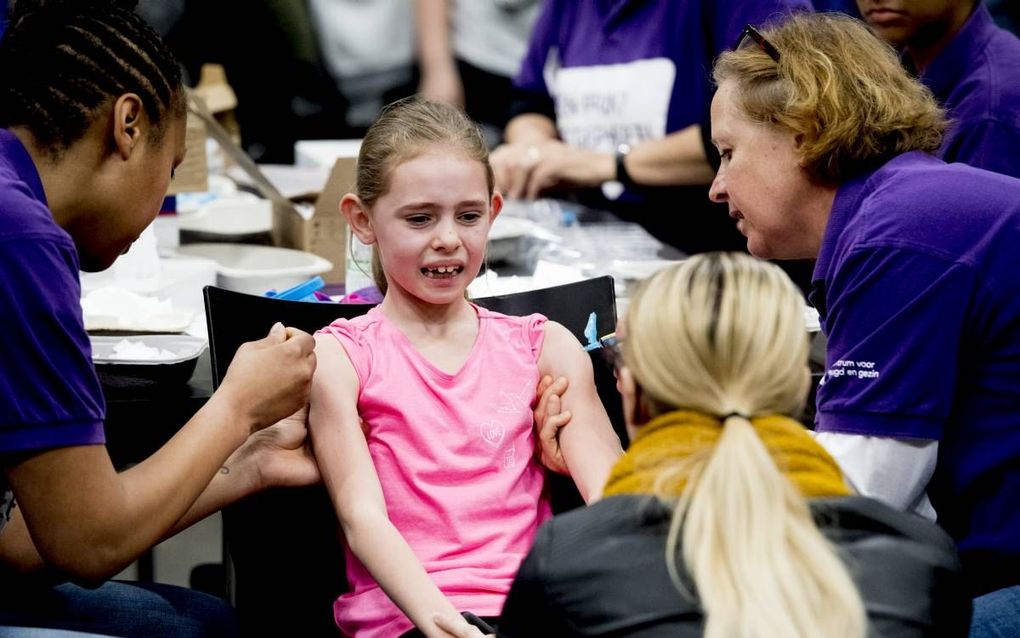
[(918, 291), (977, 79), (633, 70), (51, 394)]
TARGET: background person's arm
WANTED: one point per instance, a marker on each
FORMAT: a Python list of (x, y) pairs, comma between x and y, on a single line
[(440, 78), (514, 161), (678, 159), (89, 522), (589, 444)]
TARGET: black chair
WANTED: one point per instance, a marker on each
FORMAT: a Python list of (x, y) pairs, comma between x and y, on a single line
[(283, 558)]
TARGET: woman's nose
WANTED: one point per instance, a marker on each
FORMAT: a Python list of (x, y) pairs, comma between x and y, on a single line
[(717, 192)]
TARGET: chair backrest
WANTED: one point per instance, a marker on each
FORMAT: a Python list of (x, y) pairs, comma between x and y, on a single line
[(284, 560)]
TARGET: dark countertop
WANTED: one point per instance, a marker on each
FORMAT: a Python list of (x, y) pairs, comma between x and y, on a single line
[(140, 420)]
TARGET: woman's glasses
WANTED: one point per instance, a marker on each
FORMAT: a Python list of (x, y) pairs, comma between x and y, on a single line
[(752, 34)]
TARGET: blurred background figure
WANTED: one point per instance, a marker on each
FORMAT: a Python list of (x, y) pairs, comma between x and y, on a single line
[(970, 64), (848, 7), (609, 107), (297, 100), (469, 52), (368, 49)]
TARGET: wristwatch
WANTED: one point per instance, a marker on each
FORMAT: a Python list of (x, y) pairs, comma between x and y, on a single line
[(615, 187), (622, 176)]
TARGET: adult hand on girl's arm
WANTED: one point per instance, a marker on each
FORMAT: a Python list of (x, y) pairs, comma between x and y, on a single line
[(350, 477), (277, 456), (589, 446), (549, 418)]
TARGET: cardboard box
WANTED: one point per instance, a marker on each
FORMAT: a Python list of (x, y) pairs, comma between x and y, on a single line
[(192, 176), (322, 232), (326, 232)]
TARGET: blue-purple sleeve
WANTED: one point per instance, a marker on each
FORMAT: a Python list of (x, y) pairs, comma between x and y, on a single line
[(895, 326), (530, 93), (530, 77), (51, 393), (990, 144)]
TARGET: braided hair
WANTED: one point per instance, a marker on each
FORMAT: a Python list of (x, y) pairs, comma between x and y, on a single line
[(63, 61)]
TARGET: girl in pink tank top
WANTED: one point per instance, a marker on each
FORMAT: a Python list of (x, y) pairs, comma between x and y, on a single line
[(421, 410)]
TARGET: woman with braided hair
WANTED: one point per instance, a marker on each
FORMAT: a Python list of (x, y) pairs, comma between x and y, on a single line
[(92, 120)]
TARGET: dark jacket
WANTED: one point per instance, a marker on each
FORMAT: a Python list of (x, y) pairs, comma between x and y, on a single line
[(601, 571)]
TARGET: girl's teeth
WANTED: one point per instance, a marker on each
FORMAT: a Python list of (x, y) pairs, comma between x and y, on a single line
[(441, 271)]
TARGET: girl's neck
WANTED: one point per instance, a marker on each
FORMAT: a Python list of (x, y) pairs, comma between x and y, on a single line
[(443, 335), (415, 317)]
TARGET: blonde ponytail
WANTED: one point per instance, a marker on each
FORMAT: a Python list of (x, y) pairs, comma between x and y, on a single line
[(761, 566), (723, 334)]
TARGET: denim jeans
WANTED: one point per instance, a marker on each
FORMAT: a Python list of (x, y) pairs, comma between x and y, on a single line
[(149, 610), (997, 615)]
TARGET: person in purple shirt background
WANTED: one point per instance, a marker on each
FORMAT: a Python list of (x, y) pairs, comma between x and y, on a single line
[(92, 122), (970, 64), (826, 145), (844, 6), (609, 105)]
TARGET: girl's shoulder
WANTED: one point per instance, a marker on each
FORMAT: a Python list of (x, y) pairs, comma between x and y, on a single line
[(355, 329), (530, 327)]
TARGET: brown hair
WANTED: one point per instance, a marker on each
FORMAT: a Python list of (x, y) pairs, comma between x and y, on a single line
[(840, 89), (403, 130)]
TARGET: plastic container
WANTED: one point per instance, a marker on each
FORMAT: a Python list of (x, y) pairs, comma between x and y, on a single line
[(236, 218), (507, 239), (119, 372), (358, 268), (255, 269), (307, 291)]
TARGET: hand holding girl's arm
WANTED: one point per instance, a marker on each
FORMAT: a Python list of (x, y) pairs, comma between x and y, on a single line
[(349, 475)]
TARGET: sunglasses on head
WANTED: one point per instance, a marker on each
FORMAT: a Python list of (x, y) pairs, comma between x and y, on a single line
[(752, 34)]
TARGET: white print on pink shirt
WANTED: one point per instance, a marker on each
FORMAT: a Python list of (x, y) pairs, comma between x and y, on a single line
[(494, 432)]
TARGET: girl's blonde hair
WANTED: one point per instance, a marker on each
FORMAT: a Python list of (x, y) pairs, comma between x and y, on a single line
[(724, 334), (840, 89), (403, 130)]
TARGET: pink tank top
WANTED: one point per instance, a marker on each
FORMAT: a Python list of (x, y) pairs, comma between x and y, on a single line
[(455, 457)]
